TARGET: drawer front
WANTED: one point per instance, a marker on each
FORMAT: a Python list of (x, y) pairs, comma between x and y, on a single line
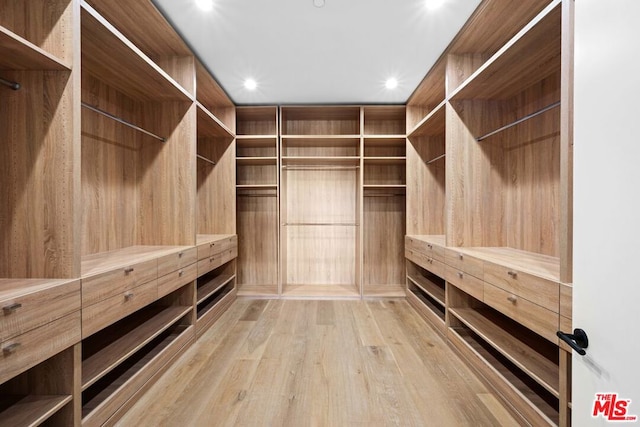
[(215, 261), (173, 262), (466, 282), (98, 316), (217, 246), (175, 280), (539, 319), (418, 258), (21, 314), (535, 289), (429, 249), (114, 282), (24, 351), (463, 262), (566, 300)]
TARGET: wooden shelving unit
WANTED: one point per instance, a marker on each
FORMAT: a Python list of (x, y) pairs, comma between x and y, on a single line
[(257, 189), (488, 165)]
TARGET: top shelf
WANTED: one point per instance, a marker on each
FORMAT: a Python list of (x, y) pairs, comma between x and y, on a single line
[(530, 56), (210, 126), (16, 53), (257, 121), (325, 120), (112, 58), (433, 124)]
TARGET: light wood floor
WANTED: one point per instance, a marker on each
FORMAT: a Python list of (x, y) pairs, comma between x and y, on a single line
[(319, 363)]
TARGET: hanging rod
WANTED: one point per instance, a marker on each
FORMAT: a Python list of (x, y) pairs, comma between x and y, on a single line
[(205, 159), (517, 122), (12, 85), (344, 224), (319, 167), (124, 122), (436, 159)]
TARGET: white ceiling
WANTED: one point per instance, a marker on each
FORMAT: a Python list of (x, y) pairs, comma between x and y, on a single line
[(298, 53)]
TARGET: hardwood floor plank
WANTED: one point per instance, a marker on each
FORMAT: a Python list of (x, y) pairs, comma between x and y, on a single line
[(319, 363)]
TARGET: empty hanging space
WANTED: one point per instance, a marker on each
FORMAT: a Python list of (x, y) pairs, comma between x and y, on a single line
[(383, 208), (257, 200), (320, 180)]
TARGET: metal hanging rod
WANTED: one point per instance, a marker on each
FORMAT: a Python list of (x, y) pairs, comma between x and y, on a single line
[(337, 224), (436, 159), (205, 159), (319, 167), (517, 122), (122, 121), (12, 85)]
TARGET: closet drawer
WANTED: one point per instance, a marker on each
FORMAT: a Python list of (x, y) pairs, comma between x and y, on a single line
[(535, 289), (176, 279), (22, 313), (27, 350), (212, 248), (215, 261), (429, 249), (102, 314), (176, 261), (466, 282), (424, 261), (463, 262), (539, 319), (102, 286)]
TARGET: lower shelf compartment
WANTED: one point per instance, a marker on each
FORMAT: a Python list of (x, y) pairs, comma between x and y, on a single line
[(535, 404), (210, 309), (107, 394), (427, 308), (30, 410)]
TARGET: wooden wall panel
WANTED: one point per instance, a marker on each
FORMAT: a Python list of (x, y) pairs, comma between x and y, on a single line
[(383, 235), (425, 185), (257, 239), (167, 179), (109, 170), (37, 157), (216, 187), (181, 68)]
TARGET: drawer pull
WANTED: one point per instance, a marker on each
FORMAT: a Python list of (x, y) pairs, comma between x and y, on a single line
[(212, 245), (512, 298), (460, 256), (460, 275), (128, 270), (430, 246), (180, 254), (11, 308), (512, 273), (128, 296), (430, 260), (11, 348), (180, 273)]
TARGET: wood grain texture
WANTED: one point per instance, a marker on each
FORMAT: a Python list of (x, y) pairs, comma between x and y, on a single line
[(181, 68), (302, 371), (426, 183), (384, 120), (216, 209), (48, 25), (328, 120), (429, 93), (17, 53), (211, 95), (40, 178), (257, 121)]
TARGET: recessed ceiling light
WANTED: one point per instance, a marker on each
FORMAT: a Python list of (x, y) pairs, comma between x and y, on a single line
[(250, 84), (206, 5), (318, 3), (434, 4), (391, 83)]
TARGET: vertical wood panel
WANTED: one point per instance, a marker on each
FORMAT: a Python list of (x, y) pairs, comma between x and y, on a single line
[(216, 187)]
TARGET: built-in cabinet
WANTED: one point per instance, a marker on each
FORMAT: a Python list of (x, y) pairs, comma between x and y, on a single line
[(321, 201), (118, 226), (488, 243)]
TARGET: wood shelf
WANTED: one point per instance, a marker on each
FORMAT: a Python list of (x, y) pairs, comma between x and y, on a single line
[(212, 299), (384, 291), (261, 290), (202, 239), (433, 290), (432, 124), (429, 94), (379, 160), (257, 187), (385, 139), (520, 387), (112, 58), (384, 186), (17, 53), (325, 139), (256, 140), (108, 358), (530, 56), (320, 161), (211, 126), (125, 381), (30, 410), (434, 239), (525, 357), (212, 286), (432, 307), (248, 161), (316, 291), (257, 122), (213, 99)]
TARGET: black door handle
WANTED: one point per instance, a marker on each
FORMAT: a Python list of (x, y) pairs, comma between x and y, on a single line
[(577, 341)]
